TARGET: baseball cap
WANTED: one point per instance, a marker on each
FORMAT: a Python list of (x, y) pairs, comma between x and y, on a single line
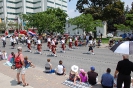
[(93, 68)]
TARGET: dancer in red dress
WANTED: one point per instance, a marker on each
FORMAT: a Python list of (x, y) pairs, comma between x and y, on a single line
[(76, 41), (29, 44), (70, 43), (39, 46), (63, 45), (49, 43), (53, 47)]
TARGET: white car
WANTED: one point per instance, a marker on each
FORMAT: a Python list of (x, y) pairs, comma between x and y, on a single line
[(110, 35)]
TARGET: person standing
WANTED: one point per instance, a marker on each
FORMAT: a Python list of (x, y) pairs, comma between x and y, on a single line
[(76, 41), (63, 44), (123, 69), (49, 43), (70, 43), (53, 47), (39, 46), (107, 79), (4, 41), (29, 44), (21, 69)]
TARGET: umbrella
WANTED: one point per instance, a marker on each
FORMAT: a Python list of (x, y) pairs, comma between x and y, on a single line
[(123, 48)]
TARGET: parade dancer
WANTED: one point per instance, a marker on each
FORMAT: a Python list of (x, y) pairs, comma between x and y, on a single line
[(39, 46), (76, 41), (53, 47), (70, 43), (29, 44), (14, 41), (49, 43), (63, 44), (4, 40)]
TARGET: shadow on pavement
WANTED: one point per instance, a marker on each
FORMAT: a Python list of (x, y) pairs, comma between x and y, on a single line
[(13, 82)]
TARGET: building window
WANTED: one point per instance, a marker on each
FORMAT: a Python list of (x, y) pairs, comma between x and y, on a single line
[(49, 7), (13, 13), (64, 6), (33, 2), (1, 7), (50, 1), (14, 7), (33, 7), (64, 1), (14, 2), (58, 4)]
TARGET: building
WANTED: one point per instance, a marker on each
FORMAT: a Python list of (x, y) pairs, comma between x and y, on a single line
[(10, 9), (69, 29)]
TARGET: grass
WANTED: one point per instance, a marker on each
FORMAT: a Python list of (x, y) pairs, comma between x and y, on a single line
[(106, 40)]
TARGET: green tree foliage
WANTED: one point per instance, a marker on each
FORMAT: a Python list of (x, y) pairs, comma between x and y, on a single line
[(85, 22), (12, 25), (3, 26), (101, 9), (52, 20)]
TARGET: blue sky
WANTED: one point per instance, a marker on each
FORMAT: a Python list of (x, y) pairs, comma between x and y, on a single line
[(72, 7)]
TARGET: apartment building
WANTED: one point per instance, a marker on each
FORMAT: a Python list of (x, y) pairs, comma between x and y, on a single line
[(10, 9)]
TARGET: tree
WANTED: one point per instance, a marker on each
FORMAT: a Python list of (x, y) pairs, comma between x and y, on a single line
[(52, 20), (13, 25), (85, 22), (3, 26)]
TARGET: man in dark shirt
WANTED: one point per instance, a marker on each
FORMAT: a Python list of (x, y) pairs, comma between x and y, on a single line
[(123, 69), (92, 75)]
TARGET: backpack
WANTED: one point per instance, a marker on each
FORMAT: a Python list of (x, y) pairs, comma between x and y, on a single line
[(18, 63)]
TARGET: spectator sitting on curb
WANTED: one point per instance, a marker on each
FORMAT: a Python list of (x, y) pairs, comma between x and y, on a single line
[(92, 76), (48, 67), (60, 69), (107, 79), (73, 76), (83, 75)]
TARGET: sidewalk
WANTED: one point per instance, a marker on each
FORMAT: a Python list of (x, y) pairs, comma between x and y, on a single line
[(34, 76)]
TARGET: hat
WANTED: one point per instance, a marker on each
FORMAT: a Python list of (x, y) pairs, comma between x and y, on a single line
[(74, 68), (82, 70), (19, 48), (93, 68)]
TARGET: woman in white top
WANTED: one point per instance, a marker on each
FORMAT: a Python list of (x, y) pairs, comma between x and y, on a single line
[(60, 69), (63, 44), (70, 43), (39, 45)]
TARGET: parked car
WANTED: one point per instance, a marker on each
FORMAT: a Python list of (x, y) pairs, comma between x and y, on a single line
[(110, 35)]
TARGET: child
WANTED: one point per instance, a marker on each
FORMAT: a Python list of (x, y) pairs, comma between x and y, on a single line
[(28, 63), (99, 42), (91, 49)]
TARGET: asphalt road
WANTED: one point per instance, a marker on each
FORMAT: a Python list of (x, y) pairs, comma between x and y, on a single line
[(103, 58)]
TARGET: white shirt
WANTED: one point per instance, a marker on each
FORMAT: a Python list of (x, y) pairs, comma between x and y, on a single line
[(16, 37), (87, 37), (76, 38), (70, 40), (60, 69), (11, 39), (38, 41), (49, 39), (3, 38), (52, 43), (14, 40), (28, 41), (62, 41)]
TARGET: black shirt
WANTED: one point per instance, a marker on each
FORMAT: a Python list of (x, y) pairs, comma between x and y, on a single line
[(124, 67), (92, 77), (90, 37)]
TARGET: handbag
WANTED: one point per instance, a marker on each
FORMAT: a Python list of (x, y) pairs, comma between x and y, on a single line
[(13, 67)]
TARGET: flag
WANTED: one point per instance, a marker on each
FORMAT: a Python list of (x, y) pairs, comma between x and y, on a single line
[(19, 20)]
